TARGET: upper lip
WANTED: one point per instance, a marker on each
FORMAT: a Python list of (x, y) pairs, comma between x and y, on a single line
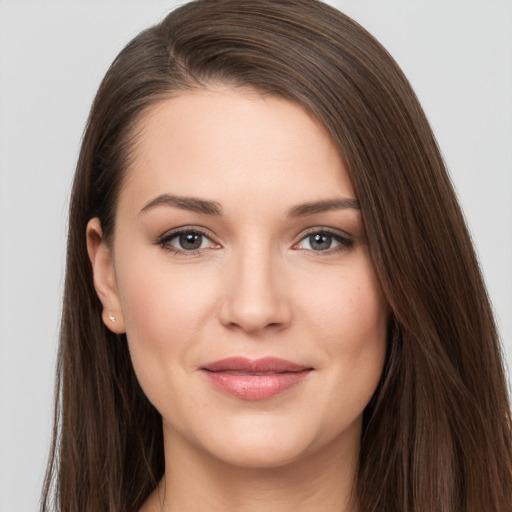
[(264, 364)]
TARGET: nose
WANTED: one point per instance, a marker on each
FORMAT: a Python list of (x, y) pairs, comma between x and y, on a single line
[(256, 297)]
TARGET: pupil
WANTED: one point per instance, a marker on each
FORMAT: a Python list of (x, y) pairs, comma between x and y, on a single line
[(320, 241), (190, 241)]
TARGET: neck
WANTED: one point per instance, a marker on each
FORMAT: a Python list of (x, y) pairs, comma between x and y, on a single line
[(195, 480)]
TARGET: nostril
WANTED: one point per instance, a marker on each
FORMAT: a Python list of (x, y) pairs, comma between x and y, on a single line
[(252, 320), (255, 299)]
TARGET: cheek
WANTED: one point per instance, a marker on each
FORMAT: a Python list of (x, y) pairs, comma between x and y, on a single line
[(349, 308), (351, 320), (362, 321), (160, 301), (357, 318), (164, 309)]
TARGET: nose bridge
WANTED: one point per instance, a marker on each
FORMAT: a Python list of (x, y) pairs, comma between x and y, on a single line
[(256, 297)]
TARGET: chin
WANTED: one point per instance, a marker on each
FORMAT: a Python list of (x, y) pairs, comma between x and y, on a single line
[(267, 445), (262, 454)]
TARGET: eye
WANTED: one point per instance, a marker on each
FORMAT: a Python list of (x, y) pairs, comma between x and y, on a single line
[(186, 241), (324, 241)]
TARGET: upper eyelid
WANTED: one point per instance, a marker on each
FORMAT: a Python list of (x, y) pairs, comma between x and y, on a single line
[(184, 229), (324, 229)]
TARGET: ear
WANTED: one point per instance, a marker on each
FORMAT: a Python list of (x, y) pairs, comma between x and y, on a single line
[(104, 277)]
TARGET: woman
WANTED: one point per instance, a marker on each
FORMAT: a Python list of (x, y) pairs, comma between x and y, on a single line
[(271, 297)]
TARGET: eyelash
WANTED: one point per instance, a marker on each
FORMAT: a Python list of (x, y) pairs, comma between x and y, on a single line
[(345, 243), (165, 240)]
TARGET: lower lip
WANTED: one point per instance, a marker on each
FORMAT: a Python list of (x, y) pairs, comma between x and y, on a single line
[(253, 386)]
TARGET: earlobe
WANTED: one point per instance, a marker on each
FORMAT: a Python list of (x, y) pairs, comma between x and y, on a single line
[(102, 263)]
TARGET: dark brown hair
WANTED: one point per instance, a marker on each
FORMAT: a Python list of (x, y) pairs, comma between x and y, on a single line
[(436, 435)]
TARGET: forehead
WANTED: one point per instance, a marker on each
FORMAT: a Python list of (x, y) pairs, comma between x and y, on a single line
[(214, 143)]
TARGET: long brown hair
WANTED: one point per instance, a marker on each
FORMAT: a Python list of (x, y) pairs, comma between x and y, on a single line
[(437, 433)]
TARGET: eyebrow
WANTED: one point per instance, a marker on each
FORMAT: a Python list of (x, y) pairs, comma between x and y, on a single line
[(305, 209), (185, 203), (213, 208)]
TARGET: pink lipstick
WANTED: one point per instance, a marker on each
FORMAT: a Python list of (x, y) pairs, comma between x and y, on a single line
[(257, 379)]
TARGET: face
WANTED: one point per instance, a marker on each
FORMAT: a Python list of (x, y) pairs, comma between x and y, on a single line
[(240, 273)]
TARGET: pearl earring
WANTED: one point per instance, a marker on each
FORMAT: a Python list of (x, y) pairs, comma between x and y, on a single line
[(112, 318)]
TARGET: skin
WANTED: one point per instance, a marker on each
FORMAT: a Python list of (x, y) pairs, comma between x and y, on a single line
[(258, 286)]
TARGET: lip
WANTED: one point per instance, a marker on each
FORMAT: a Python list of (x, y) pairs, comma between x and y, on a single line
[(254, 379)]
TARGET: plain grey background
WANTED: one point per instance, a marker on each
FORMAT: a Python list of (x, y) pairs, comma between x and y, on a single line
[(457, 54)]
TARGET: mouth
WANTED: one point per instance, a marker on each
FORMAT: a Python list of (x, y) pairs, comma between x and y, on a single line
[(254, 379)]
